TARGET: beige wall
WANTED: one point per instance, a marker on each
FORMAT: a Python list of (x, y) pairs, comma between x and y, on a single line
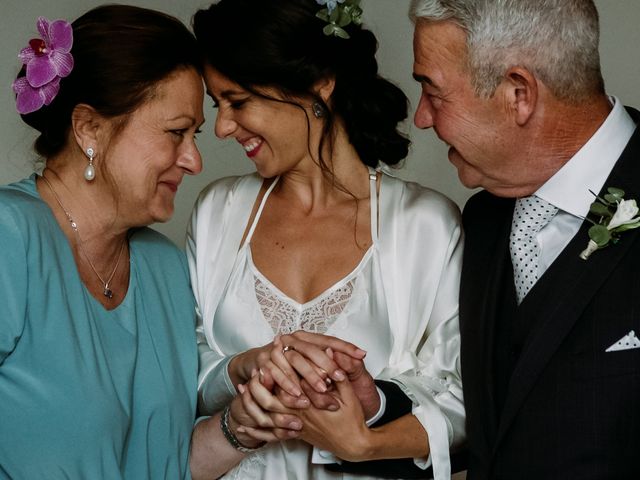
[(427, 162)]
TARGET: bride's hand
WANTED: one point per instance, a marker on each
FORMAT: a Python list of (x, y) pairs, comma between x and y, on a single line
[(362, 383), (343, 431), (290, 357)]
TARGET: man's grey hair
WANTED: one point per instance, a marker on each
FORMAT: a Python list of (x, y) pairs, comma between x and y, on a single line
[(556, 40)]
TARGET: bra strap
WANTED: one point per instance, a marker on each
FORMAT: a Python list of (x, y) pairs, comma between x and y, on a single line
[(373, 201)]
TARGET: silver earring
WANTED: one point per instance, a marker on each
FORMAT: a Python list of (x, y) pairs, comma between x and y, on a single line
[(90, 171), (318, 109)]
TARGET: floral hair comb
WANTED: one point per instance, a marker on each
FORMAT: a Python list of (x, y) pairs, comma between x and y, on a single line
[(47, 60), (338, 14)]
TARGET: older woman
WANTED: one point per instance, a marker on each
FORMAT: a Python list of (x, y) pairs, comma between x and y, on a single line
[(320, 240), (97, 352)]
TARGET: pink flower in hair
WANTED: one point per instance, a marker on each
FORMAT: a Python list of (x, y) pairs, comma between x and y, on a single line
[(30, 99), (47, 60)]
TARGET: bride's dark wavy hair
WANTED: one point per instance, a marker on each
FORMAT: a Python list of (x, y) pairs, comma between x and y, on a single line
[(280, 44)]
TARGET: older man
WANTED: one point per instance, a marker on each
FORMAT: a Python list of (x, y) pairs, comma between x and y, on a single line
[(550, 360), (550, 357)]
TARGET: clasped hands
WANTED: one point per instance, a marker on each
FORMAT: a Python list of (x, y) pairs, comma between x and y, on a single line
[(305, 385)]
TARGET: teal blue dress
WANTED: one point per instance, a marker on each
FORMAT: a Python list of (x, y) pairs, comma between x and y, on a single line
[(87, 393)]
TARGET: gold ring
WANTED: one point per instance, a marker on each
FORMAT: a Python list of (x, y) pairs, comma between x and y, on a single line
[(287, 348)]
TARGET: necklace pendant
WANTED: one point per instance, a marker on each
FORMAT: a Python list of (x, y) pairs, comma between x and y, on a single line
[(106, 291)]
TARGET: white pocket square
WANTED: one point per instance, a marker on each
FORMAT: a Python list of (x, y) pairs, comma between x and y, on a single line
[(628, 342)]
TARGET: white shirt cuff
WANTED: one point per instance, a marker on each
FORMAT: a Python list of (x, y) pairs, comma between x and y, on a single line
[(380, 412)]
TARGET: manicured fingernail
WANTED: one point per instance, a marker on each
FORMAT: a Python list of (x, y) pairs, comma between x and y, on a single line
[(241, 388), (320, 386), (302, 402), (295, 425), (339, 375), (333, 407), (241, 430)]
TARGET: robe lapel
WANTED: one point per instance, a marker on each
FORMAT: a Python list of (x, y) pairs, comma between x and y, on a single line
[(568, 277)]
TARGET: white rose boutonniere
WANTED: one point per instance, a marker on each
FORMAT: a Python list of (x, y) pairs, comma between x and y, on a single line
[(625, 213), (614, 215)]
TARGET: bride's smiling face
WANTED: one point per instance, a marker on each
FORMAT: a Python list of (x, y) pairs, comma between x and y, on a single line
[(274, 131)]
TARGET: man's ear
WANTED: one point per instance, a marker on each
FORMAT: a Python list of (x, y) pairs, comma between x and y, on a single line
[(522, 93), (87, 125), (324, 88)]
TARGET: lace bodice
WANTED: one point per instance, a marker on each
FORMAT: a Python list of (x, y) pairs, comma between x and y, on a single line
[(286, 316)]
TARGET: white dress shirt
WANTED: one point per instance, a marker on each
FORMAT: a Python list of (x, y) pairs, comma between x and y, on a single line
[(571, 186)]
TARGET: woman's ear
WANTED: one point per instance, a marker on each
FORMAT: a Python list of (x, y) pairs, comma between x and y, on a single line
[(522, 93), (324, 88), (86, 124)]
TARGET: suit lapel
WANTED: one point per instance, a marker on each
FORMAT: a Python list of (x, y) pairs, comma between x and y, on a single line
[(568, 277), (487, 249)]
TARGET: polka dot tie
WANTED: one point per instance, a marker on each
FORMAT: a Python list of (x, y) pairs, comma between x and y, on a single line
[(530, 216)]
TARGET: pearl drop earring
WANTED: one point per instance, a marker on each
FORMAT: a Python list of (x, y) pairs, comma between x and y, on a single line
[(90, 171)]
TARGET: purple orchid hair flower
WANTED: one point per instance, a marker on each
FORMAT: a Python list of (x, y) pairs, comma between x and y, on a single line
[(47, 60), (29, 99)]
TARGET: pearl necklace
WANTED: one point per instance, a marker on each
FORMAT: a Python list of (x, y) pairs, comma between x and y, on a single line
[(106, 291)]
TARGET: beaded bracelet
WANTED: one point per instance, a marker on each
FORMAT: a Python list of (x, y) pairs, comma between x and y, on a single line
[(231, 438)]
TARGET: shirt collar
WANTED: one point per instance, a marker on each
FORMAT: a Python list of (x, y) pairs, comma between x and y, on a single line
[(570, 187)]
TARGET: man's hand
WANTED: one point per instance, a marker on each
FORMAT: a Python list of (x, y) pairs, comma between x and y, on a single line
[(361, 381)]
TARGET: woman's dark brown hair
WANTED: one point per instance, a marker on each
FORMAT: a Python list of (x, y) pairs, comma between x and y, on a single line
[(280, 44)]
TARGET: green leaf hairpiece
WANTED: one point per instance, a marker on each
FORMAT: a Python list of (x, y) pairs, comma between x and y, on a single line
[(338, 14)]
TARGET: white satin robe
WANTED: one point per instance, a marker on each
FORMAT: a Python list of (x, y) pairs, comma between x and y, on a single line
[(420, 252)]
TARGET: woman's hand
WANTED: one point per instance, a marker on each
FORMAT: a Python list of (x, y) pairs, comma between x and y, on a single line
[(290, 357), (254, 423), (340, 428), (333, 421), (343, 431), (361, 380)]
